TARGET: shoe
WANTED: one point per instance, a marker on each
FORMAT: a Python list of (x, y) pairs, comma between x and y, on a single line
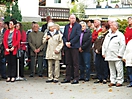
[(75, 82), (13, 79), (65, 81), (8, 79), (40, 75), (98, 81), (31, 75), (111, 84), (86, 79), (129, 85), (104, 81), (49, 81), (118, 85), (55, 81)]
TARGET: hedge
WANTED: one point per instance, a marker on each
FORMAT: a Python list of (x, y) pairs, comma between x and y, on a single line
[(122, 24)]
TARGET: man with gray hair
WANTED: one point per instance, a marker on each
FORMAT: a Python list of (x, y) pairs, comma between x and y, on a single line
[(112, 50)]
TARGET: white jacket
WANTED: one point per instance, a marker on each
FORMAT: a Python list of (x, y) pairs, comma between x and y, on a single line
[(128, 54), (113, 46)]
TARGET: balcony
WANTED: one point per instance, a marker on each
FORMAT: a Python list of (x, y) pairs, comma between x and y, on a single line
[(108, 13), (56, 13)]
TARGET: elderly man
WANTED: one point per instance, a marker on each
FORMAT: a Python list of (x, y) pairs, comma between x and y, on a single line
[(35, 42), (113, 50), (71, 38)]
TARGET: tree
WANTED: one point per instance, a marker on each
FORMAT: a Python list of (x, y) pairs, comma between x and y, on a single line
[(12, 12)]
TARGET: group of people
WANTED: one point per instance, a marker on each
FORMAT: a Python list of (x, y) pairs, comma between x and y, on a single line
[(80, 42)]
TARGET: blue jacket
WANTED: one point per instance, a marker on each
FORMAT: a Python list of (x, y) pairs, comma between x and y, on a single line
[(74, 36)]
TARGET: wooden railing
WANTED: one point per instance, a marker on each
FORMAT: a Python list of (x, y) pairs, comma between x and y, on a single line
[(56, 13)]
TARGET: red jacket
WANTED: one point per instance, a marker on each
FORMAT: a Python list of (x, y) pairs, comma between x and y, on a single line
[(95, 34), (128, 34), (23, 39), (15, 41)]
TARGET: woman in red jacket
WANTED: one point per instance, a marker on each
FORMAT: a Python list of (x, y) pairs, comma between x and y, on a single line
[(22, 48), (11, 41)]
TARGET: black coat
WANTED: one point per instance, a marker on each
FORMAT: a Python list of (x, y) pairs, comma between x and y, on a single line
[(86, 41)]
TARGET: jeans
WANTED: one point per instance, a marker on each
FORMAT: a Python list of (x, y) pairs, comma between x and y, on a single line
[(129, 72), (84, 65), (3, 67)]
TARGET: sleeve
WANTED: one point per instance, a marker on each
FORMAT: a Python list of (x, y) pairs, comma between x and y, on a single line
[(30, 42)]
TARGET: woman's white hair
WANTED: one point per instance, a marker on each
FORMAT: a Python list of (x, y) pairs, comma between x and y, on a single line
[(82, 22), (50, 24)]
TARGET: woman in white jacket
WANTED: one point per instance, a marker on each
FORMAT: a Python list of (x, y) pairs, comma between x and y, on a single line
[(127, 58), (113, 49)]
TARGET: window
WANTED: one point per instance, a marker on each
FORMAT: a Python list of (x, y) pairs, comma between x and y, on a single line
[(57, 1)]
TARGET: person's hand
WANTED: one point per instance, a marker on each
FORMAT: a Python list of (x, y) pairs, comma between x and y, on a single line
[(68, 44), (80, 49), (123, 60), (38, 50), (48, 37), (56, 52), (12, 49), (7, 49), (35, 51), (103, 56), (96, 51)]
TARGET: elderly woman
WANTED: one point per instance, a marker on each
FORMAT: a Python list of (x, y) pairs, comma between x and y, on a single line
[(101, 64), (84, 52), (53, 52)]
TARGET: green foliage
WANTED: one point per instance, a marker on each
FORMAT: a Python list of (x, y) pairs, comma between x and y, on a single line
[(27, 25), (12, 12), (122, 25)]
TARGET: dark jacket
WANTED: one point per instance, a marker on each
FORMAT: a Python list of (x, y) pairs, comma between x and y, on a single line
[(44, 27), (86, 41), (98, 43), (74, 36)]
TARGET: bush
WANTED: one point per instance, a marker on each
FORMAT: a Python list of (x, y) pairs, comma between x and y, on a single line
[(122, 25), (27, 25)]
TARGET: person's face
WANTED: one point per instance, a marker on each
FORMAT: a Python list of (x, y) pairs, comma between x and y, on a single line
[(17, 26), (6, 26), (104, 29), (113, 26), (83, 27), (130, 21), (36, 27), (11, 25), (89, 23), (96, 23), (51, 28), (72, 19), (1, 24)]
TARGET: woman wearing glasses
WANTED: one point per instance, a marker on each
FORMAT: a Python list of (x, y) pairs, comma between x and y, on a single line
[(11, 42)]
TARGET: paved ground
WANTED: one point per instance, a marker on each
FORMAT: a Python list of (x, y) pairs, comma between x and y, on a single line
[(36, 88)]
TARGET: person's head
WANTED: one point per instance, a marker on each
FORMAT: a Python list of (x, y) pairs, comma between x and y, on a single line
[(105, 26), (89, 23), (12, 23), (51, 26), (6, 25), (114, 26), (1, 24), (83, 24), (130, 20), (97, 23), (57, 27), (19, 26), (72, 19), (48, 18), (36, 27)]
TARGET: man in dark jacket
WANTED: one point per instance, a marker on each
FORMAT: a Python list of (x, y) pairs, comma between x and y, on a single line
[(71, 38)]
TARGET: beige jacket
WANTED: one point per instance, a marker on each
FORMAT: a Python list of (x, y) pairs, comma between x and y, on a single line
[(54, 43)]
